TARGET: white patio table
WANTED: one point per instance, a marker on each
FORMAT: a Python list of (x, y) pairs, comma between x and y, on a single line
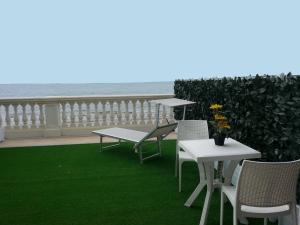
[(205, 152), (171, 102)]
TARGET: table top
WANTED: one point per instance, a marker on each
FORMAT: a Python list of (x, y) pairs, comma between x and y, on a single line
[(206, 150), (172, 102)]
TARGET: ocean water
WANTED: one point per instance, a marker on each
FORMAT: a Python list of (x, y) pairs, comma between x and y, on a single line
[(39, 90)]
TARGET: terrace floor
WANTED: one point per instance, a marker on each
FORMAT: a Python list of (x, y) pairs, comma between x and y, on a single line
[(75, 184), (64, 140)]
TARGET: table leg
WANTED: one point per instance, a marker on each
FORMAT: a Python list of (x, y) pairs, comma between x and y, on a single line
[(209, 169), (195, 193), (199, 187)]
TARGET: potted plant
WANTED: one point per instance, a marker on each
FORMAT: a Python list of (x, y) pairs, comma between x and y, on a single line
[(220, 124)]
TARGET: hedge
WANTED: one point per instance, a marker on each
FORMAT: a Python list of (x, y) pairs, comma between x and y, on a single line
[(263, 111)]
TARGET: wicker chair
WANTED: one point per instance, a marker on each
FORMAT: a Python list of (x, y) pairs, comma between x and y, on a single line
[(188, 130), (263, 190)]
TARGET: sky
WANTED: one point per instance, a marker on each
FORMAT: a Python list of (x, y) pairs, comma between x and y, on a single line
[(62, 41)]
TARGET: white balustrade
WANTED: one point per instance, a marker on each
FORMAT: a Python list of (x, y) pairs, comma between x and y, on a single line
[(56, 116)]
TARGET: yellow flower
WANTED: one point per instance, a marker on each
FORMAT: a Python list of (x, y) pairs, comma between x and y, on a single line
[(220, 117), (220, 122), (226, 126), (216, 106), (223, 125)]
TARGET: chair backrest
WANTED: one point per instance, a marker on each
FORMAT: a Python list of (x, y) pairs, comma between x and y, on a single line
[(267, 184), (160, 132), (192, 130)]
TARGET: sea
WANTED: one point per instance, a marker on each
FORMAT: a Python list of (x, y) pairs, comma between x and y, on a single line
[(42, 90)]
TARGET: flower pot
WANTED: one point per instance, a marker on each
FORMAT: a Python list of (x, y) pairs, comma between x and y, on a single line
[(219, 140)]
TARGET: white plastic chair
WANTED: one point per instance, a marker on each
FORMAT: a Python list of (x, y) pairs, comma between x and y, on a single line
[(263, 190), (188, 130)]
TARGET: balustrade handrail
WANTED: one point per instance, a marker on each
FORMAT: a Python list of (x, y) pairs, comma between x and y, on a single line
[(72, 115), (55, 99)]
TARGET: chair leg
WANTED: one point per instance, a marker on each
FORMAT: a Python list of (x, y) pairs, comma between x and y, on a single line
[(235, 220), (176, 161), (222, 208), (179, 173), (265, 221), (294, 216)]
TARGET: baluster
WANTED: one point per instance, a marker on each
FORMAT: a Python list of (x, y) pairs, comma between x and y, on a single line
[(88, 113), (104, 116), (70, 115), (92, 113), (84, 119), (18, 115), (97, 117), (122, 108), (79, 114), (127, 121), (134, 116), (15, 116), (7, 116), (38, 115), (157, 117), (138, 111), (63, 114), (28, 116), (60, 111), (43, 115), (142, 112), (24, 117), (119, 114), (115, 113), (149, 114), (111, 104), (32, 114), (68, 118), (163, 114), (74, 115)]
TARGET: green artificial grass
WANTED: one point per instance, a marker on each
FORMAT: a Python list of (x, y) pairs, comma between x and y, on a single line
[(78, 185)]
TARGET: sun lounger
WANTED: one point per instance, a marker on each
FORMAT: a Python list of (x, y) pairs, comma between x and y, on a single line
[(137, 137)]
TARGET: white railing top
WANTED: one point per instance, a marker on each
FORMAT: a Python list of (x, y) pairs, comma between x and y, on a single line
[(55, 99)]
